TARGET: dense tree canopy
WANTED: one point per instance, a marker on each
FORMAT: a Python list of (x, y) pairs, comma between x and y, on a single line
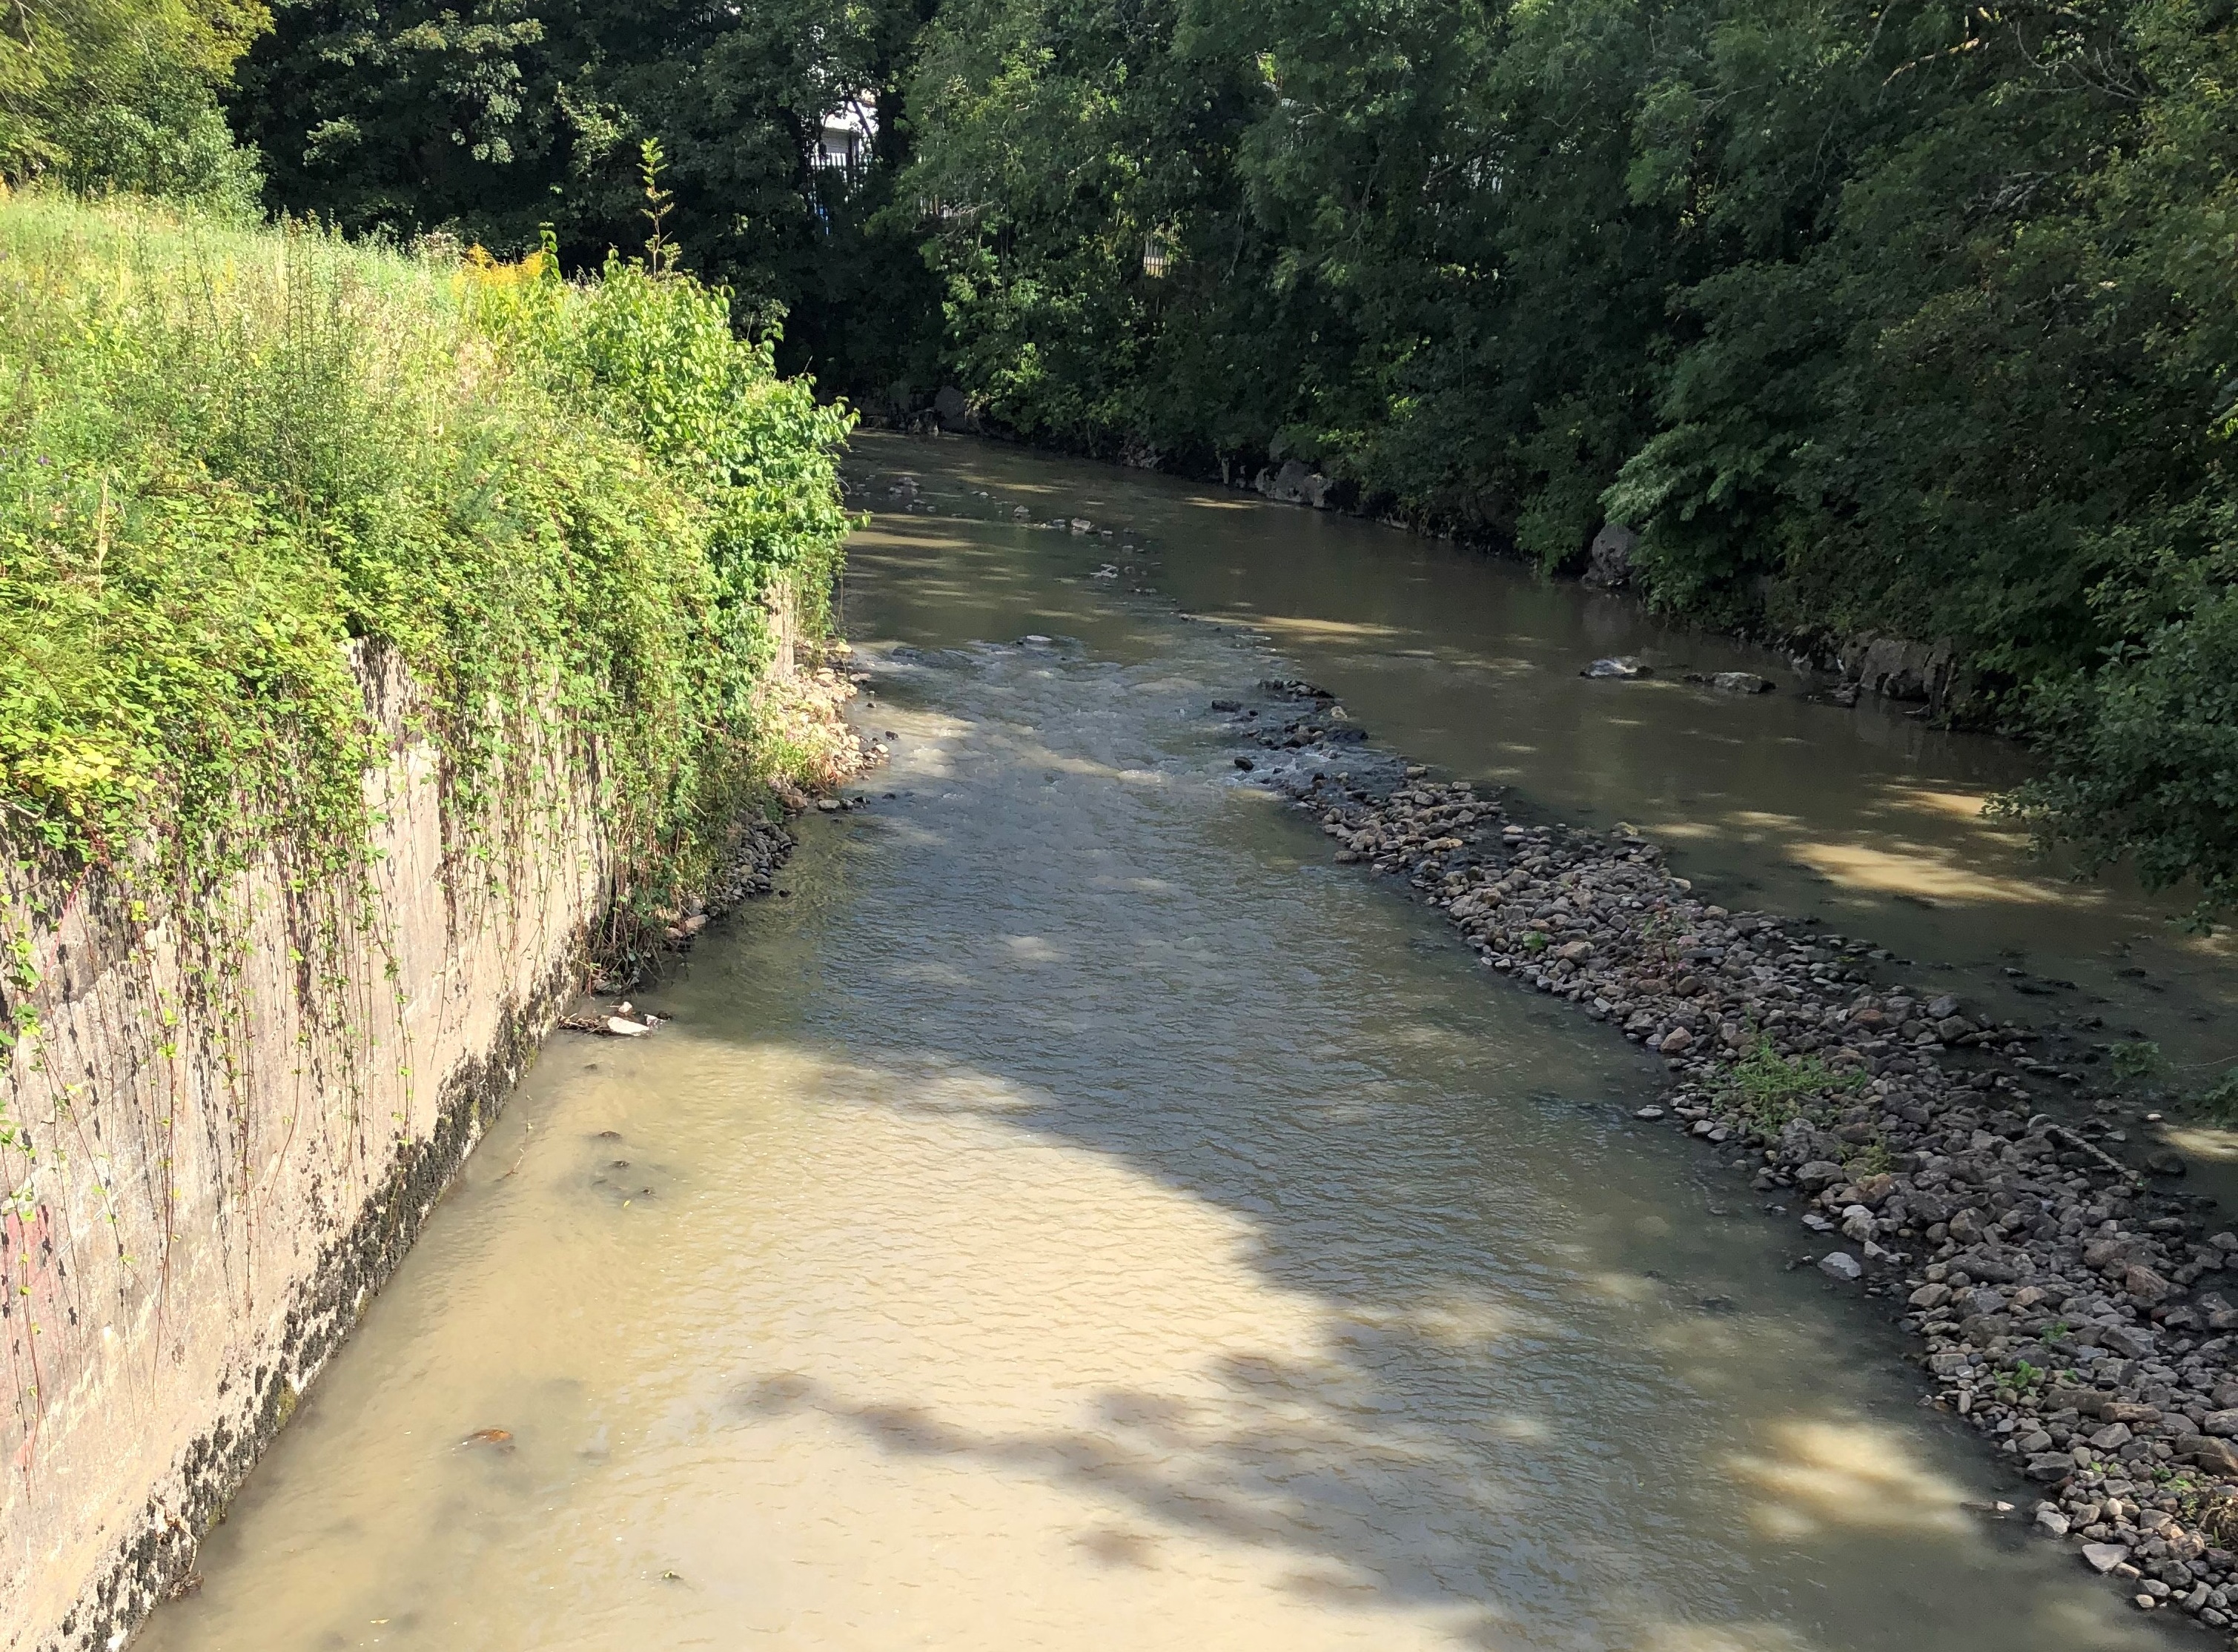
[(1907, 317), (491, 119), (1893, 317)]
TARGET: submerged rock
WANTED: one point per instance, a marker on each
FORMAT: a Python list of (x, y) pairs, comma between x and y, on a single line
[(1624, 666)]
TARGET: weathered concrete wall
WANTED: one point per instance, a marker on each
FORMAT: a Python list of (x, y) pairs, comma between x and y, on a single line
[(215, 1162)]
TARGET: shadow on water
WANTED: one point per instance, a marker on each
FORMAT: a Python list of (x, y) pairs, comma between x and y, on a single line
[(1553, 1383), (1084, 1216)]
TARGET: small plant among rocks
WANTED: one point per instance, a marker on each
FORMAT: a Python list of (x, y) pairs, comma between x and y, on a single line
[(2140, 1067), (2138, 1062), (2212, 1512), (1770, 1089), (2219, 1102)]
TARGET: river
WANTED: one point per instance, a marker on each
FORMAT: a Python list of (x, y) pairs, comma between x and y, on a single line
[(1079, 1215)]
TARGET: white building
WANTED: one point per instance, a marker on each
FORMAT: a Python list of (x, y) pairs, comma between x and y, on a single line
[(845, 143)]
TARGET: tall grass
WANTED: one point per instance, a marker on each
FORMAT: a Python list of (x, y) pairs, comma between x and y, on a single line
[(226, 452)]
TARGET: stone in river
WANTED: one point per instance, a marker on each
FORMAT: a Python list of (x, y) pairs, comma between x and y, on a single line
[(1619, 666), (1840, 1265), (2103, 1557), (1740, 682), (2052, 1520)]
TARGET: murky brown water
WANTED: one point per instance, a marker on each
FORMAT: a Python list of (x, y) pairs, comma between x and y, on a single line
[(1865, 818), (1083, 1218)]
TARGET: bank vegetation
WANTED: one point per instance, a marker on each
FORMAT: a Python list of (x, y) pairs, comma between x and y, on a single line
[(236, 463)]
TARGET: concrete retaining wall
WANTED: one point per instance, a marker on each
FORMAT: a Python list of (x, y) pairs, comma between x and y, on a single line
[(215, 1161)]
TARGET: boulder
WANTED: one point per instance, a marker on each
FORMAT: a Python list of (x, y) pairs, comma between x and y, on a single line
[(1929, 1208), (953, 408), (1898, 669), (2218, 1457), (2144, 1285), (1608, 564), (1296, 483), (2127, 1341)]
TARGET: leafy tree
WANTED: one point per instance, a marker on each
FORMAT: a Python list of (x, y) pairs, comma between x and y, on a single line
[(490, 120), (119, 93)]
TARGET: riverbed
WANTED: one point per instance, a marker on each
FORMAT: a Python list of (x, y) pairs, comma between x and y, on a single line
[(1075, 1214)]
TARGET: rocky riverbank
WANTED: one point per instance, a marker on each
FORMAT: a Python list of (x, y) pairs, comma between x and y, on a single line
[(2065, 1303)]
